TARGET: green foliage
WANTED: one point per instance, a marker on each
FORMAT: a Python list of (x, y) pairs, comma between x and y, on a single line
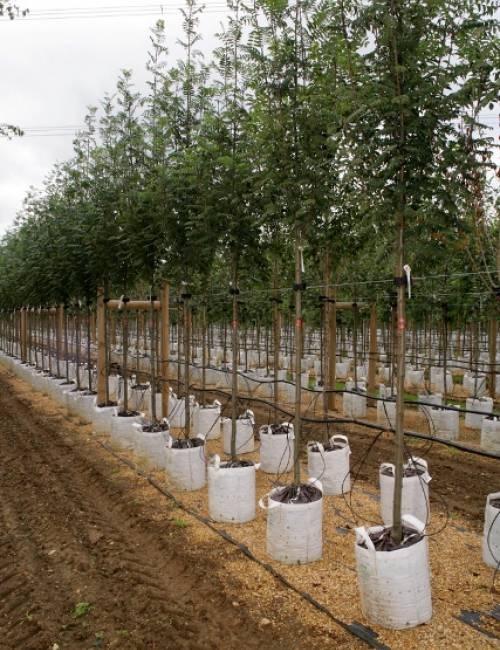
[(322, 118), (81, 609)]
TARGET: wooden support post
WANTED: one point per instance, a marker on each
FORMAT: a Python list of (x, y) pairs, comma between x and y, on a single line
[(165, 346), (101, 348), (372, 355), (492, 346), (134, 305)]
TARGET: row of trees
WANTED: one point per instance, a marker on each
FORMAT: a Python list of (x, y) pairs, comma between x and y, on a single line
[(316, 123)]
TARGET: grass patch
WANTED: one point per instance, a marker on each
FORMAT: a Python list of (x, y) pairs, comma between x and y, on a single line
[(81, 609), (180, 523)]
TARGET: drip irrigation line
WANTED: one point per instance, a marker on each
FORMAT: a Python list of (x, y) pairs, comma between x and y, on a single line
[(495, 559), (354, 629)]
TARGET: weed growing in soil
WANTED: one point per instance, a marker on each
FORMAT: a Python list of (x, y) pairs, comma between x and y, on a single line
[(180, 523), (81, 609)]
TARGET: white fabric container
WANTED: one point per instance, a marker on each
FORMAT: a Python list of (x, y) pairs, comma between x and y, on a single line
[(385, 373), (231, 492), (342, 369), (415, 378), (433, 398), (361, 371), (483, 404), (415, 493), (101, 417), (177, 411), (288, 392), (122, 430), (394, 585), (83, 405), (138, 397), (386, 412), (491, 532), (151, 445), (354, 406), (244, 435), (445, 424), (330, 467), (294, 530), (490, 434), (474, 384), (276, 450), (437, 379), (207, 421), (185, 469)]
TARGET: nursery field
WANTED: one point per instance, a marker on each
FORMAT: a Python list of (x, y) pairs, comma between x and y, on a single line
[(92, 557), (95, 556)]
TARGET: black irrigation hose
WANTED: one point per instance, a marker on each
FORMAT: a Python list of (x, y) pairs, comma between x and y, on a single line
[(362, 423), (355, 629)]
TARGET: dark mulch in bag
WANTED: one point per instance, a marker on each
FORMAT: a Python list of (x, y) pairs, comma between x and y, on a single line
[(230, 464), (187, 443), (383, 541), (305, 493)]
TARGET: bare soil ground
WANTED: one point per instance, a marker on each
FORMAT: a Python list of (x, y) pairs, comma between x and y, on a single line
[(77, 526), (88, 558)]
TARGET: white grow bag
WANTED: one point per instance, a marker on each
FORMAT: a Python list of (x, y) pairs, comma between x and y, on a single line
[(341, 369), (276, 449), (122, 430), (490, 434), (331, 467), (415, 494), (101, 417), (475, 385), (415, 378), (151, 445), (353, 405), (483, 404), (244, 434), (177, 411), (491, 532), (444, 424), (386, 412), (207, 421), (434, 398), (294, 530), (185, 468), (231, 492), (394, 585)]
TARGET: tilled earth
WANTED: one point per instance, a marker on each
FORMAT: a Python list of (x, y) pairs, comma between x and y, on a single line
[(84, 563)]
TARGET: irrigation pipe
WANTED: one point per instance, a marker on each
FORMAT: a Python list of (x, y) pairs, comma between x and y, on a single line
[(366, 423), (355, 629)]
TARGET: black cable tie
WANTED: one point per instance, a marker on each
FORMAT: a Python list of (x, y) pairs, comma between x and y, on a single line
[(278, 301), (185, 296), (125, 299), (234, 291), (400, 282), (300, 286), (152, 298), (106, 300)]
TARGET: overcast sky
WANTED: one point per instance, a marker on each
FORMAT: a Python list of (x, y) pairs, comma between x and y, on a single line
[(55, 64), (53, 68)]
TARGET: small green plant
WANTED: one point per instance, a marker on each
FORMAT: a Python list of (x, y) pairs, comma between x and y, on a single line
[(180, 523), (81, 609), (98, 640)]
